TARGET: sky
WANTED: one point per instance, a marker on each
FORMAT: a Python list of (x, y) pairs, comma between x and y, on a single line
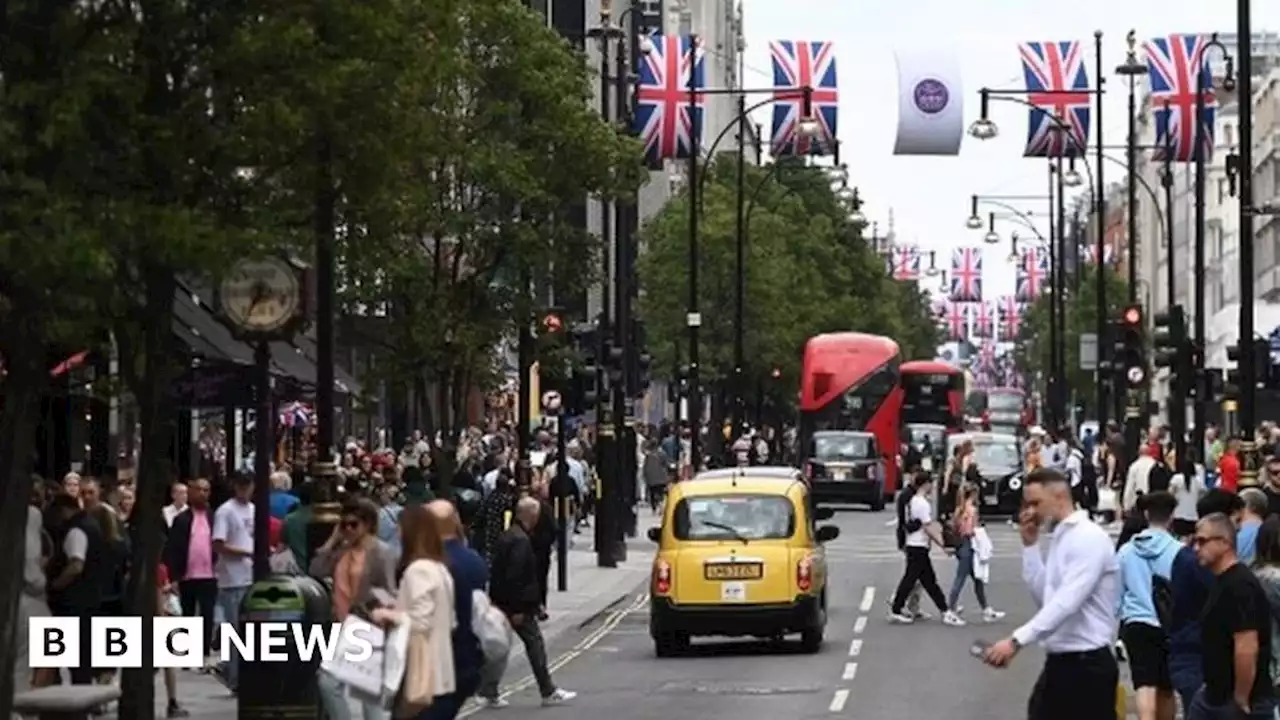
[(929, 196)]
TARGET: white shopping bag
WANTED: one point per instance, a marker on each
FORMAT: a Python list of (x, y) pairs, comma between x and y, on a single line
[(365, 676), (395, 652)]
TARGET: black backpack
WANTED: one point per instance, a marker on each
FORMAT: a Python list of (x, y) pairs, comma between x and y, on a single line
[(1162, 599), (1158, 478)]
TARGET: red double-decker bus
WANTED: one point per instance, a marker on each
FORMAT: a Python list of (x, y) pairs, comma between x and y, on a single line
[(933, 394), (850, 383)]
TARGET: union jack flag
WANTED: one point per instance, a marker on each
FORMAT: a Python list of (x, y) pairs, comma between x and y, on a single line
[(295, 414), (1058, 86), (958, 316), (1170, 63), (966, 274), (984, 321), (669, 99), (906, 263), (798, 65), (986, 360), (1033, 268), (1010, 316)]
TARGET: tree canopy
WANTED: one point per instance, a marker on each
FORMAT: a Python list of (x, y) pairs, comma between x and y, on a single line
[(1032, 351), (808, 271)]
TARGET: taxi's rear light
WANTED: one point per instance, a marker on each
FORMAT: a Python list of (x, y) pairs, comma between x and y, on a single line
[(662, 577), (804, 574), (873, 472)]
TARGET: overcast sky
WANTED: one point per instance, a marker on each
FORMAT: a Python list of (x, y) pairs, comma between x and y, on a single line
[(929, 196)]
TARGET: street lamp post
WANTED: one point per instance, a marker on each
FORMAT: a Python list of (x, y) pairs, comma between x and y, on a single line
[(1248, 373), (1203, 146), (1060, 296), (1166, 181), (1132, 69), (1100, 204)]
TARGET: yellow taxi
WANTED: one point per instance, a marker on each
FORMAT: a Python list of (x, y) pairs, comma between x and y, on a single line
[(739, 554)]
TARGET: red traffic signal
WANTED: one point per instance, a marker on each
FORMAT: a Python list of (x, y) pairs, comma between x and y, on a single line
[(552, 323), (1132, 316)]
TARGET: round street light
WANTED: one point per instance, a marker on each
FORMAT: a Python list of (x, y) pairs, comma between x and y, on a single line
[(973, 223), (932, 271), (1071, 178), (857, 219), (983, 129), (646, 44), (810, 127), (991, 238)]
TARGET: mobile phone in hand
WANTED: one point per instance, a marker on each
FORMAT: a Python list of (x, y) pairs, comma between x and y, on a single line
[(979, 649)]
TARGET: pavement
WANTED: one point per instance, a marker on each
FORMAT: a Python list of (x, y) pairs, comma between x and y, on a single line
[(592, 593), (867, 669)]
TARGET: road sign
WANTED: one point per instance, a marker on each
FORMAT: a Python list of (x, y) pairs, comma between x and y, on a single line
[(1088, 351)]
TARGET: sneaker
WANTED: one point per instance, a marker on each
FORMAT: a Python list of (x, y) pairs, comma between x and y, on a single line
[(951, 618), (174, 710), (559, 697), (992, 615), (493, 703), (901, 618), (959, 609), (921, 615)]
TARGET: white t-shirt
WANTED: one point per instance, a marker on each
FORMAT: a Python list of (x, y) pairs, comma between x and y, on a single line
[(919, 509), (233, 525), (75, 545), (170, 512)]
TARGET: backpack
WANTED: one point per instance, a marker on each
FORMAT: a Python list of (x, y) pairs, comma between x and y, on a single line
[(1158, 478), (1162, 600), (490, 627)]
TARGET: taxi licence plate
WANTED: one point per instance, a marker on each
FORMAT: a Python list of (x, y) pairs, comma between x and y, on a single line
[(734, 571)]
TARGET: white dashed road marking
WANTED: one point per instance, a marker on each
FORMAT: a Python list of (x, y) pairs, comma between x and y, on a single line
[(855, 647), (860, 625), (868, 599), (850, 671), (837, 702)]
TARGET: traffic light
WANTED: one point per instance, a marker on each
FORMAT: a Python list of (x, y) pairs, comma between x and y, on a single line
[(1133, 347), (584, 389), (1262, 371), (1169, 337), (640, 362)]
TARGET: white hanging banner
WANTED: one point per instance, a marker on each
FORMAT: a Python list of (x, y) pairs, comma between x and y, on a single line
[(930, 103)]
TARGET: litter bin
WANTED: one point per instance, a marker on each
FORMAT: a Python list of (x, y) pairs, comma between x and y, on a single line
[(283, 690)]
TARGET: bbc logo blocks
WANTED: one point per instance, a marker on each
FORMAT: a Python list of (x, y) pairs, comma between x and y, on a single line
[(116, 642)]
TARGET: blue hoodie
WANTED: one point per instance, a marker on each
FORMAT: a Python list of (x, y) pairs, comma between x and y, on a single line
[(1149, 552)]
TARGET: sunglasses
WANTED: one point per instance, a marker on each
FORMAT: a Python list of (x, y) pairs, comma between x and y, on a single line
[(1199, 541)]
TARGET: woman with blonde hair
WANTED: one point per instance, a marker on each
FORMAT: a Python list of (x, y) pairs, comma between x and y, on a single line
[(426, 603)]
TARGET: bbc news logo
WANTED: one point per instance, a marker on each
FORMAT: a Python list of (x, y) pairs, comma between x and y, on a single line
[(179, 642)]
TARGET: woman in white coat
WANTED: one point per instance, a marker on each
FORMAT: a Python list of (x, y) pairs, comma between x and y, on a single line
[(425, 599)]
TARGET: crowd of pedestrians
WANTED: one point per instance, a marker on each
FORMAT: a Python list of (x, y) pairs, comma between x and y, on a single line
[(408, 548)]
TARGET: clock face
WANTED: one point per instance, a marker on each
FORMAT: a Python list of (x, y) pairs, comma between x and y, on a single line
[(260, 296)]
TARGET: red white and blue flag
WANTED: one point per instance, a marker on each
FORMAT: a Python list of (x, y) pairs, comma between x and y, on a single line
[(798, 65), (295, 414), (984, 321), (1033, 269), (1172, 64), (669, 98), (966, 275), (986, 360), (1058, 86), (958, 317), (906, 262), (1010, 317)]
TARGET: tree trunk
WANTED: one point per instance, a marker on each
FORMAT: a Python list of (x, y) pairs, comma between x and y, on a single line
[(447, 460), (19, 415), (156, 410)]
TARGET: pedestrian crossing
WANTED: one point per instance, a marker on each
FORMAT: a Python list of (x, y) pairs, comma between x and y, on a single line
[(882, 545)]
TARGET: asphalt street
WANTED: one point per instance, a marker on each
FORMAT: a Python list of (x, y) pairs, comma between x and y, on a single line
[(867, 669)]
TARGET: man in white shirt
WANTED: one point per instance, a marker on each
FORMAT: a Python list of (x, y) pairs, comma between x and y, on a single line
[(178, 496), (921, 531), (233, 564), (1077, 588)]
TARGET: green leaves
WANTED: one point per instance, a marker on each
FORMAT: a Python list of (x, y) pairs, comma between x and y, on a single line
[(1033, 350), (807, 271)]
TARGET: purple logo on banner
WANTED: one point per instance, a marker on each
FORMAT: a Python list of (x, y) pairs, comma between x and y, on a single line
[(931, 96)]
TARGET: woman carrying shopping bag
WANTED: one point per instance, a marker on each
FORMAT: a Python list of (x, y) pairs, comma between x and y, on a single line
[(425, 606), (360, 565)]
